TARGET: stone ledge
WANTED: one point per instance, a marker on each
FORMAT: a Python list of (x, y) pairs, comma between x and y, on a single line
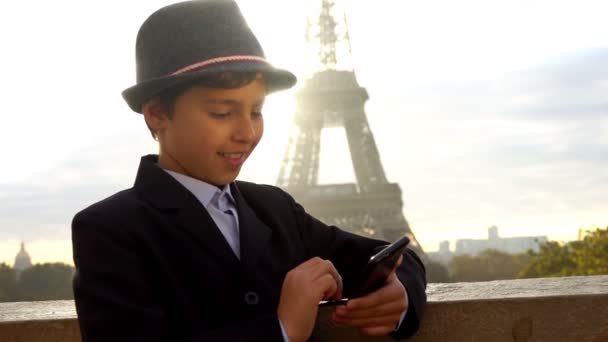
[(548, 309), (37, 311), (519, 288)]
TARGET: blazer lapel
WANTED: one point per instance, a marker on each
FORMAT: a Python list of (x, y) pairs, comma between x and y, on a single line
[(254, 234), (178, 204), (197, 222)]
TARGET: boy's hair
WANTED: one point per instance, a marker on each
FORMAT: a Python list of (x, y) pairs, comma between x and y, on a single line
[(222, 80)]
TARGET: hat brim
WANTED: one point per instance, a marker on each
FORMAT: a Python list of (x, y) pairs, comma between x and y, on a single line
[(276, 79)]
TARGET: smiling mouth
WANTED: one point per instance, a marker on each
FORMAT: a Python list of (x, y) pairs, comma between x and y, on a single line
[(238, 155)]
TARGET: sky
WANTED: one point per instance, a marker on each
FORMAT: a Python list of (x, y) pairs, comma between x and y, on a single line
[(484, 112)]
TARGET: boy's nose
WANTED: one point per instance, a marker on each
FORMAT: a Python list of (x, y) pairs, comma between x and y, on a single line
[(245, 130)]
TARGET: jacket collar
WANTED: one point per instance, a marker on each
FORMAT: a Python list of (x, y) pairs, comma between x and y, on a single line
[(255, 234), (171, 198), (206, 193), (158, 188)]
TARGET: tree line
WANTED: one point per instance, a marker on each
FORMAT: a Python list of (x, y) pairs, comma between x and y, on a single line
[(585, 257), (48, 281)]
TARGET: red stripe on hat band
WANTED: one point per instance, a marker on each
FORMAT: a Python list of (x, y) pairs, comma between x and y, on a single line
[(226, 59)]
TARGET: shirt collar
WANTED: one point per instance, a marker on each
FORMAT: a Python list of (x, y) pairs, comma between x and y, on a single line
[(203, 191)]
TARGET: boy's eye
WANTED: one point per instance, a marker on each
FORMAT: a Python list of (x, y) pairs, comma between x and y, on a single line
[(256, 113), (219, 115)]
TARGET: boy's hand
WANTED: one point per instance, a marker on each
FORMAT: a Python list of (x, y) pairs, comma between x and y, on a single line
[(377, 313), (303, 288)]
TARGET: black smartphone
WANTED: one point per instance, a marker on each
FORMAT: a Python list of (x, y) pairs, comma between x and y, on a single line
[(377, 269)]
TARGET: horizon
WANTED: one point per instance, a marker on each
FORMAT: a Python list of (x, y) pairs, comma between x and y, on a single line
[(68, 260)]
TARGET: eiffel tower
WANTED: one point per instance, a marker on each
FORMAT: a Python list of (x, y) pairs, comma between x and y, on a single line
[(332, 97)]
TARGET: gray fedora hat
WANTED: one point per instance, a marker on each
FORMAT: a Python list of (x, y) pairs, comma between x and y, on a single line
[(185, 41)]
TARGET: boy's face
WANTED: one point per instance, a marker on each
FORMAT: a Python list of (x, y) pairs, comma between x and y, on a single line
[(212, 131)]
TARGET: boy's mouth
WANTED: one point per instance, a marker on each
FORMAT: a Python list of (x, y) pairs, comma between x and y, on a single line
[(235, 155), (235, 159)]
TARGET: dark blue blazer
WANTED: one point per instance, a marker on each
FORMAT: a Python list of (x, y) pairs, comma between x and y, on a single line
[(151, 265)]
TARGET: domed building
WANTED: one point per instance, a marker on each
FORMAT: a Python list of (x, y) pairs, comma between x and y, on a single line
[(22, 260)]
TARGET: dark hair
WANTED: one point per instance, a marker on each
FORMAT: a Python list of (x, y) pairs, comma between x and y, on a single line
[(222, 80)]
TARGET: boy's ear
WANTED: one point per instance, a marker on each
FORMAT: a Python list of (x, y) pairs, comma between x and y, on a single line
[(155, 114)]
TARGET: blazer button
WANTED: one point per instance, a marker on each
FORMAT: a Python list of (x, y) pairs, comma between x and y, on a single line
[(252, 298)]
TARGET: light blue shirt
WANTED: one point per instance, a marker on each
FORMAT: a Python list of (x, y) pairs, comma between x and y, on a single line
[(221, 207), (219, 204)]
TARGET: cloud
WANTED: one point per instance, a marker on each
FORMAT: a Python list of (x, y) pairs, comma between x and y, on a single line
[(552, 113), (43, 206), (573, 88), (30, 212), (529, 146)]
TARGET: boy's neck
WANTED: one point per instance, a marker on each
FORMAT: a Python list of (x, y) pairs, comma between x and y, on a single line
[(171, 164)]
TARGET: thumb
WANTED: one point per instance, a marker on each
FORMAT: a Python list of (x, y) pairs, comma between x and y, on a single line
[(398, 263)]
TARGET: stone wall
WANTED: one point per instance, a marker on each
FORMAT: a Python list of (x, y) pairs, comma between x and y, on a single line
[(549, 309)]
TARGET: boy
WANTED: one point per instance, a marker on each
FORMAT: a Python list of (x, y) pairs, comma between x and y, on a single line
[(190, 254)]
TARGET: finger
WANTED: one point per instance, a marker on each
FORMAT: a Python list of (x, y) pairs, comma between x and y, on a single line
[(386, 294), (334, 272), (326, 285), (338, 278), (390, 308), (304, 269), (399, 261), (316, 268), (311, 263), (327, 267)]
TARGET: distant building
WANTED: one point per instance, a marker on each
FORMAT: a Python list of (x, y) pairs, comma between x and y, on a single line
[(508, 245), (444, 255), (22, 260), (511, 245)]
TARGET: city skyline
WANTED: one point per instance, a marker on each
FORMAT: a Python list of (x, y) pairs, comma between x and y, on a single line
[(453, 247)]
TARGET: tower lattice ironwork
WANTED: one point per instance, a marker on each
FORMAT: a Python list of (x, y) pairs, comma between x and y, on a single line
[(333, 98)]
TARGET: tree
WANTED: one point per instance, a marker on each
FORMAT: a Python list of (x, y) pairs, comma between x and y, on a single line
[(436, 272), (588, 256), (50, 281), (489, 265), (7, 283)]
